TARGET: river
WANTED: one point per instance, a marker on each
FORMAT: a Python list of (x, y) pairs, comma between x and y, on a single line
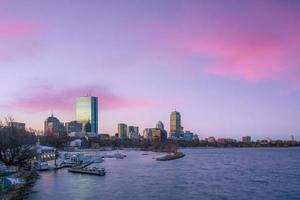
[(204, 173)]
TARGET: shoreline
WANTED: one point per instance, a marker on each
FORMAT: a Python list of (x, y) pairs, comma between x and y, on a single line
[(19, 192)]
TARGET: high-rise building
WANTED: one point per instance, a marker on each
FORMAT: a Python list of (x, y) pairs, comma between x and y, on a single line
[(133, 132), (160, 125), (87, 113), (122, 131), (175, 125)]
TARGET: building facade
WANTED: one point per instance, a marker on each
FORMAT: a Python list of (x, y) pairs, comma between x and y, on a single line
[(122, 131), (188, 136), (155, 134), (246, 139), (73, 126), (53, 127), (87, 113), (160, 125), (176, 129), (17, 125), (133, 132)]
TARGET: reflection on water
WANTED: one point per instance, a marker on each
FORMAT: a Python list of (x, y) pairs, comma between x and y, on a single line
[(257, 173)]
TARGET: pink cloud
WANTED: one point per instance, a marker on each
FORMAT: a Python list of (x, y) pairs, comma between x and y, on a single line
[(16, 29), (46, 98), (19, 38), (258, 43)]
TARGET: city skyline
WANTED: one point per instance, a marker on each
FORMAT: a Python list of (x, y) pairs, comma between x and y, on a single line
[(231, 69)]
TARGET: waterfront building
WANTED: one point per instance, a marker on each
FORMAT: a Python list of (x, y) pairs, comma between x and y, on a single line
[(211, 139), (155, 134), (104, 136), (159, 135), (17, 125), (44, 153), (53, 127), (246, 139), (188, 136), (87, 113), (176, 129), (76, 143), (226, 141), (147, 133), (122, 131), (73, 126)]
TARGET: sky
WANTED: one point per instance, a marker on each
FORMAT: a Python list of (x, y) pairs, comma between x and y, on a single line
[(231, 68)]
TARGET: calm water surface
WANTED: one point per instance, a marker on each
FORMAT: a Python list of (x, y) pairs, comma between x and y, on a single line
[(232, 173)]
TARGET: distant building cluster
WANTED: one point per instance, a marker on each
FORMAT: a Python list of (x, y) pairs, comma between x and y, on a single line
[(86, 126), (86, 122)]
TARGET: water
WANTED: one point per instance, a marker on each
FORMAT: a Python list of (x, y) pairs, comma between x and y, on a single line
[(222, 173)]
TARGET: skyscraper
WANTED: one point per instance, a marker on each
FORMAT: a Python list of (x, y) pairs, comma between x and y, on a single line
[(175, 124), (87, 112), (133, 132)]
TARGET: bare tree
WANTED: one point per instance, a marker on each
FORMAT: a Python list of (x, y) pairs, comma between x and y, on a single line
[(16, 145)]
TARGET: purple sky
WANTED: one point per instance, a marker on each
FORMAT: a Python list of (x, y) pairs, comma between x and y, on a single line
[(230, 67)]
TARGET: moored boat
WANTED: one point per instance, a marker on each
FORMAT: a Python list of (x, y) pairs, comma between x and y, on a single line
[(172, 156), (91, 171)]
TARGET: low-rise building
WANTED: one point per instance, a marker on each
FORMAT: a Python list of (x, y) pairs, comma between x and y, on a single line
[(17, 125), (188, 136), (246, 139), (226, 141), (73, 126), (211, 139), (104, 136)]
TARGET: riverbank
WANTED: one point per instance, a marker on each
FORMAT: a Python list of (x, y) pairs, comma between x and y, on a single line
[(18, 192)]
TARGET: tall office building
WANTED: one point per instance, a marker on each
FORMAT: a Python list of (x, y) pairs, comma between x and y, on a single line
[(122, 131), (175, 125), (133, 132), (87, 113)]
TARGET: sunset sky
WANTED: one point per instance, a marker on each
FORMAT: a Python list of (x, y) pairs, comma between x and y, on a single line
[(231, 68)]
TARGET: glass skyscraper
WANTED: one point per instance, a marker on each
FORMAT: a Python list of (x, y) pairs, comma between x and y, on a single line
[(87, 112)]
